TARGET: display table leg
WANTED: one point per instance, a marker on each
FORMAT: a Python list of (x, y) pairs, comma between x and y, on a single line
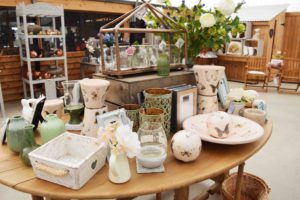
[(182, 193), (239, 182), (158, 196), (33, 197)]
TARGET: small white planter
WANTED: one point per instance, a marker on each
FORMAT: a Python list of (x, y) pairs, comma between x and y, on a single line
[(69, 160)]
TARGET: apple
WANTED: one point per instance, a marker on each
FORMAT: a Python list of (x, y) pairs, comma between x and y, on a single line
[(47, 75), (33, 54), (59, 52)]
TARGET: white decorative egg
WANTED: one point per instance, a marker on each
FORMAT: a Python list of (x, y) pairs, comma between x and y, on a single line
[(186, 146), (218, 124)]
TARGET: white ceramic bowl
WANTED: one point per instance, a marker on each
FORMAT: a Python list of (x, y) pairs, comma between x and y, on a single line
[(152, 156)]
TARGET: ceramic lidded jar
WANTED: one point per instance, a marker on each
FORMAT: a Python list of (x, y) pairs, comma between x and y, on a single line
[(186, 146), (218, 124), (51, 127), (208, 78), (94, 92), (16, 137)]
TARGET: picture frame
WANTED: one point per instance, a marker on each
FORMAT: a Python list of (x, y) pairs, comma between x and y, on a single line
[(114, 116), (223, 90), (184, 105), (235, 48)]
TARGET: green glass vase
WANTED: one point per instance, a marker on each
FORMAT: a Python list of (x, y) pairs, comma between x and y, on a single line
[(163, 65), (16, 136), (51, 128)]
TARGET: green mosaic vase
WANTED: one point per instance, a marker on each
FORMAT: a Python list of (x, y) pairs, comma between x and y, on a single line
[(132, 112)]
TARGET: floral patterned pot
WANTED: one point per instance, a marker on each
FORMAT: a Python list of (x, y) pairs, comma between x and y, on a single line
[(90, 126), (132, 112), (94, 91), (208, 78), (160, 98), (207, 104)]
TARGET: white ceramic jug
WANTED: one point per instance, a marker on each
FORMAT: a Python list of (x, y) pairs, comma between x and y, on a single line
[(119, 171)]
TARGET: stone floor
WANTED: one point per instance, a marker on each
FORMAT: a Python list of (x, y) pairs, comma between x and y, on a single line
[(278, 162)]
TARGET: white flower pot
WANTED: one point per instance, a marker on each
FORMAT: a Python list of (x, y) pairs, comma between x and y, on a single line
[(94, 91), (208, 78), (90, 125), (207, 104)]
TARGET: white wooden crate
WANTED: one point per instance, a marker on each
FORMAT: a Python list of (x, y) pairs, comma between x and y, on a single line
[(69, 160)]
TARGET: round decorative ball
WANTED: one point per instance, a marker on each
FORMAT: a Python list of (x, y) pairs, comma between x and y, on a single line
[(186, 146)]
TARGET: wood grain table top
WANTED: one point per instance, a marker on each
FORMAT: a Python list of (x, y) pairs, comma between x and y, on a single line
[(214, 160)]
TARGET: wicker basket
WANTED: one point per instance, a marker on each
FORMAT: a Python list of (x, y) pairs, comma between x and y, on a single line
[(253, 188)]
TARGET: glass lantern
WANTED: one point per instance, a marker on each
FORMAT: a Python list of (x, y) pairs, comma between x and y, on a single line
[(153, 145), (73, 102)]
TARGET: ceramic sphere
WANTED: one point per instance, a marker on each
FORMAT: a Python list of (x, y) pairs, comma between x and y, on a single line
[(218, 124), (186, 146)]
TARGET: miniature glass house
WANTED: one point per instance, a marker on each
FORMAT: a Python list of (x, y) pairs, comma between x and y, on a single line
[(118, 59)]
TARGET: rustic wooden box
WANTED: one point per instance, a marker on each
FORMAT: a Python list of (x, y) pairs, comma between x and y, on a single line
[(125, 90)]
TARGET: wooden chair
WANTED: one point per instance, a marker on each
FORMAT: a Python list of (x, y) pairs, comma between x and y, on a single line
[(290, 73), (256, 71)]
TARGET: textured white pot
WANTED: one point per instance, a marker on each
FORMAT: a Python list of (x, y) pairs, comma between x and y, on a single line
[(94, 91), (208, 78)]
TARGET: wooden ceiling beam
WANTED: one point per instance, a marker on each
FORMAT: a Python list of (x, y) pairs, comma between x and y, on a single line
[(92, 6)]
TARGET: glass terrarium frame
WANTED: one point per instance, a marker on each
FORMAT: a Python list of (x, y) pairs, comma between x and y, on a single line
[(117, 69)]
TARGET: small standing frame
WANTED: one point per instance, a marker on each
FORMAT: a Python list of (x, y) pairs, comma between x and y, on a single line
[(167, 24)]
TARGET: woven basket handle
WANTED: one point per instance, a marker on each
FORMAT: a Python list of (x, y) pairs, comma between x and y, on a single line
[(51, 171)]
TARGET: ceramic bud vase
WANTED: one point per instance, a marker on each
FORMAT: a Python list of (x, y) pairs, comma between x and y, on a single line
[(163, 65), (53, 106), (119, 171), (208, 78), (160, 98), (93, 91), (16, 136), (51, 128), (207, 104), (90, 126), (132, 112)]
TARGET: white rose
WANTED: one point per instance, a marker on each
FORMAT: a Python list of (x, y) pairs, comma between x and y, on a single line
[(226, 7), (207, 20), (250, 95), (128, 140)]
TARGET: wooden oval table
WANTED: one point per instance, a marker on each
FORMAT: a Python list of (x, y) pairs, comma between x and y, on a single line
[(214, 162)]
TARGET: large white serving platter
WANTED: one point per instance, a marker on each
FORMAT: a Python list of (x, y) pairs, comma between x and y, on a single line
[(242, 130)]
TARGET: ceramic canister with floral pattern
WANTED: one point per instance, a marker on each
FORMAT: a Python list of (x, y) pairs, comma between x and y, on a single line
[(208, 78), (94, 92)]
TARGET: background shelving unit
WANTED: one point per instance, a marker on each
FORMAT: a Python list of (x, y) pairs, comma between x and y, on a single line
[(39, 11)]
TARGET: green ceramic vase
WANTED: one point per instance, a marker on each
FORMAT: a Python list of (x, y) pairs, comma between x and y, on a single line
[(51, 128), (16, 136), (29, 135), (163, 65)]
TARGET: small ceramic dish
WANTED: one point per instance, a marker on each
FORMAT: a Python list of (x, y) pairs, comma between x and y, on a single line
[(152, 156)]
